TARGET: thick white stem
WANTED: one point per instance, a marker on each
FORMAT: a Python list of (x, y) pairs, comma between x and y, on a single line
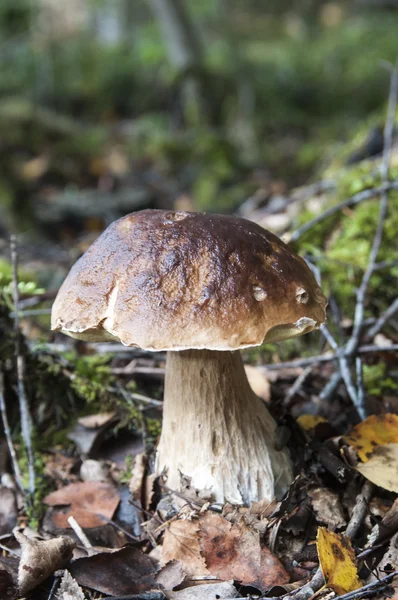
[(217, 432)]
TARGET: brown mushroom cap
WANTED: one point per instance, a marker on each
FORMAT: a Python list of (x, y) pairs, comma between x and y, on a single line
[(176, 280)]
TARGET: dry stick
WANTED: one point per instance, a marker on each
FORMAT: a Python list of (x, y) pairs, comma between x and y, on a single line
[(353, 342), (26, 422), (80, 533), (382, 320), (7, 433), (311, 360), (349, 202)]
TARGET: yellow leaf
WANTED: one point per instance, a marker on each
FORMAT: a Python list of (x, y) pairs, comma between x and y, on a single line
[(337, 560), (375, 431), (308, 422), (382, 467)]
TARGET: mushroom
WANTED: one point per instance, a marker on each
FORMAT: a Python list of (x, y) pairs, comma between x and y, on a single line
[(201, 287)]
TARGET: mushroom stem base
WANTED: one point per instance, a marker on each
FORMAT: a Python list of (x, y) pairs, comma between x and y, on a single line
[(216, 432)]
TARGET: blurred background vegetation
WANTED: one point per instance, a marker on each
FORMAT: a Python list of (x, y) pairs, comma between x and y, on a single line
[(109, 106)]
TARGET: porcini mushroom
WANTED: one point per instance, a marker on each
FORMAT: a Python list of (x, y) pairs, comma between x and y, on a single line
[(201, 287)]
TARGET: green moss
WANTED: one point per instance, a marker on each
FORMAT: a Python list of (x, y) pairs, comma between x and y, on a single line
[(92, 377), (378, 381)]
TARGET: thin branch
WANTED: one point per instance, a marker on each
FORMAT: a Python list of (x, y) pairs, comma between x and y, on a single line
[(382, 320), (384, 168), (7, 433), (26, 422), (349, 202), (311, 360)]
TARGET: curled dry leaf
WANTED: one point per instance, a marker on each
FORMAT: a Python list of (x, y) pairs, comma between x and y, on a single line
[(208, 591), (327, 507), (375, 431), (213, 545), (382, 467), (337, 560), (40, 558), (69, 589), (85, 501)]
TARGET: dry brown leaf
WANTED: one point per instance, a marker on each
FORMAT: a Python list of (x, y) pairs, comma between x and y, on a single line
[(208, 591), (125, 571), (171, 575), (382, 467), (181, 542), (375, 431), (327, 507), (40, 558), (86, 501), (337, 560), (233, 551)]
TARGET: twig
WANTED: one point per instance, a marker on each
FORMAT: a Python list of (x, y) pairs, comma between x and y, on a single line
[(9, 551), (143, 596), (360, 386), (294, 389), (360, 509), (330, 387), (26, 422), (7, 433), (349, 202), (382, 320), (80, 533), (384, 168), (322, 358)]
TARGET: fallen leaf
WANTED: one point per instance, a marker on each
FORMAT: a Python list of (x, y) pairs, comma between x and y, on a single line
[(233, 551), (212, 545), (375, 431), (389, 559), (89, 431), (125, 571), (181, 542), (171, 575), (96, 421), (327, 507), (40, 558), (69, 589), (207, 591), (258, 382), (382, 467), (309, 422), (337, 560), (86, 501)]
